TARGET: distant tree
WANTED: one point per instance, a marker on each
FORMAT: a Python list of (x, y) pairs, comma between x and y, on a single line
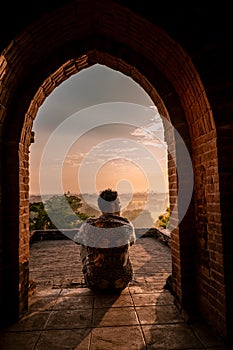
[(38, 218), (139, 217), (164, 219), (131, 214), (60, 211), (74, 201), (90, 212)]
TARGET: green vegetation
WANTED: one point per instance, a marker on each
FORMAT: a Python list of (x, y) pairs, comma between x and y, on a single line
[(164, 219), (70, 210), (38, 217), (44, 216), (140, 218)]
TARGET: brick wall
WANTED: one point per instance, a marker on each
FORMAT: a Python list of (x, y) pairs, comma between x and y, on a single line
[(38, 60)]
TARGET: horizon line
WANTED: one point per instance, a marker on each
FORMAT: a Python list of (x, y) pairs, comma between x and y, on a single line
[(75, 193)]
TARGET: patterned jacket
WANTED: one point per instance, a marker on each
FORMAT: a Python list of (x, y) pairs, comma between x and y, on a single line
[(105, 244)]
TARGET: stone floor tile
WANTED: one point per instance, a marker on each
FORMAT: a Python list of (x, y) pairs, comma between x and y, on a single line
[(78, 339), (42, 291), (145, 299), (146, 269), (157, 277), (117, 338), (34, 320), (137, 280), (219, 347), (172, 336), (41, 303), (144, 288), (75, 291), (140, 289), (69, 319), (112, 301), (78, 302), (116, 316), (158, 314), (18, 340)]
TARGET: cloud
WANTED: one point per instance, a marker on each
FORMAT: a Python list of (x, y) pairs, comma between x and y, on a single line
[(153, 132), (155, 143)]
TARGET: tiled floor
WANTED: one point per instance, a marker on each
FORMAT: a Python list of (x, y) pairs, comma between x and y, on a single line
[(64, 314)]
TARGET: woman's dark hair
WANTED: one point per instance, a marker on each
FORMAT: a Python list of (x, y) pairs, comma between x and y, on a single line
[(108, 201)]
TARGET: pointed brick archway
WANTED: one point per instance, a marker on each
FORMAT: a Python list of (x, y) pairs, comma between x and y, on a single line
[(63, 43)]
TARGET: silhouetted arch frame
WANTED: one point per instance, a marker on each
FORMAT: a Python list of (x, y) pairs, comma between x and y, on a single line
[(48, 52)]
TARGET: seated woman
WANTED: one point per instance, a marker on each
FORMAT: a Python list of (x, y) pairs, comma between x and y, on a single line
[(105, 243)]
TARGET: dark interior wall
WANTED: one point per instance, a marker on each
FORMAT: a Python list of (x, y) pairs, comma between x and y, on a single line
[(205, 34)]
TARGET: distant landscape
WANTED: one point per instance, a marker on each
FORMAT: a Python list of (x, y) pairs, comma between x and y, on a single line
[(143, 209)]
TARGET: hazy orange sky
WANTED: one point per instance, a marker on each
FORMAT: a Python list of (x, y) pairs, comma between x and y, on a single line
[(98, 129)]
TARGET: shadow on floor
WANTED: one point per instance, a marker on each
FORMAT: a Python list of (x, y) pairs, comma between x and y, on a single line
[(63, 314)]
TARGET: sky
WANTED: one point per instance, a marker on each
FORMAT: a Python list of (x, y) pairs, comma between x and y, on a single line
[(98, 129)]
